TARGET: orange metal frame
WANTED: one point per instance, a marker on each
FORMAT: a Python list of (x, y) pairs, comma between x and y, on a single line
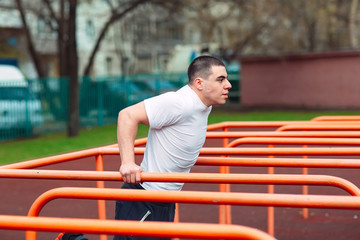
[(224, 211), (321, 123)]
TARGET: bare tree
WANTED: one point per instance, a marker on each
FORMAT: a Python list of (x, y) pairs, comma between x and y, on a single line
[(30, 45), (352, 24), (74, 113), (116, 14), (65, 28)]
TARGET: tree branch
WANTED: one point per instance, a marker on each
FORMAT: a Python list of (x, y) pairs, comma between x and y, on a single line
[(110, 21)]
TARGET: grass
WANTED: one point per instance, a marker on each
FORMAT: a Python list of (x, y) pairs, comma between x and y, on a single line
[(52, 144)]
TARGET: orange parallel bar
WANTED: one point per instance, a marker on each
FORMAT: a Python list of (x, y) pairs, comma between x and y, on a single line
[(284, 179), (238, 124), (279, 151), (252, 124), (280, 162), (328, 134), (200, 197), (253, 199), (337, 118), (63, 158), (117, 227), (139, 141), (109, 150), (298, 141), (213, 151), (56, 159), (273, 123), (329, 126)]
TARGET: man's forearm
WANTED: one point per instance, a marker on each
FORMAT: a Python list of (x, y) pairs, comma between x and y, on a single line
[(126, 134)]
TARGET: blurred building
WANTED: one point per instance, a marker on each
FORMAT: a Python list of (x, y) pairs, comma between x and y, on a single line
[(150, 38)]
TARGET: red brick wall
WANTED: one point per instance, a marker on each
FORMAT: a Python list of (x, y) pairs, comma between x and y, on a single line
[(312, 81)]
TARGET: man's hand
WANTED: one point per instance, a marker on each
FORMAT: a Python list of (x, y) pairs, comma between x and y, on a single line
[(131, 173)]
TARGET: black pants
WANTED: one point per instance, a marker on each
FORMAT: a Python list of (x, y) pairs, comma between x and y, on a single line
[(142, 211)]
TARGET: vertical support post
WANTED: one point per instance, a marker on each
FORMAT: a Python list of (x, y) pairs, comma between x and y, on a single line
[(305, 189), (224, 210), (177, 218), (271, 213), (100, 184)]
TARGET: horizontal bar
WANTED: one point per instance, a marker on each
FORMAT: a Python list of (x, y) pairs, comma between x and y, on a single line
[(238, 124), (293, 141), (198, 197), (284, 179), (328, 126), (299, 151), (280, 162), (336, 118), (327, 134), (252, 124), (212, 151), (135, 228)]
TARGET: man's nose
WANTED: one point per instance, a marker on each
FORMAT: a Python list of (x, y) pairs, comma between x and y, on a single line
[(228, 84)]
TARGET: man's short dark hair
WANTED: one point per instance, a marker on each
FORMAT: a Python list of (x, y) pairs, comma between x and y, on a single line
[(201, 67)]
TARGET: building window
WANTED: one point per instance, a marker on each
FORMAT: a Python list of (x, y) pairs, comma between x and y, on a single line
[(108, 66), (90, 28)]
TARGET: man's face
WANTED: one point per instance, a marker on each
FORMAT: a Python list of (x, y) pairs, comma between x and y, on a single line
[(216, 87)]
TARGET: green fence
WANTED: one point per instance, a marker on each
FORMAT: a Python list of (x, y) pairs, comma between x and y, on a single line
[(42, 106)]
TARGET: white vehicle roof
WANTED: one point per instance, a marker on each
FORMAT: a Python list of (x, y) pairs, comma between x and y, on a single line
[(11, 75)]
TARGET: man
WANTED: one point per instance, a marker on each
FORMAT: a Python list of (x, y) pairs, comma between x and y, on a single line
[(178, 123)]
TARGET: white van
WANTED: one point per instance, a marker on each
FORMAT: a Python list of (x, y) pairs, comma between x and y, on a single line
[(19, 109)]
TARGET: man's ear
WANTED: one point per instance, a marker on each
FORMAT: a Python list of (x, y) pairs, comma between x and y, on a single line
[(198, 82)]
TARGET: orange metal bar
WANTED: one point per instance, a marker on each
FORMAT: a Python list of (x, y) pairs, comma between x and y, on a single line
[(305, 189), (284, 179), (200, 197), (327, 134), (255, 199), (119, 227), (280, 162), (336, 118), (213, 151), (270, 209), (329, 126), (63, 158), (109, 150), (193, 177), (224, 210), (239, 124), (100, 184), (113, 151), (295, 141), (278, 151)]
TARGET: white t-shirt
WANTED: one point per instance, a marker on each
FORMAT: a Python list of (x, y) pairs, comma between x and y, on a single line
[(178, 123)]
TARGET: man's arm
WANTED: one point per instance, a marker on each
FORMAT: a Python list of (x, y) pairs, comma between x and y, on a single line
[(127, 127)]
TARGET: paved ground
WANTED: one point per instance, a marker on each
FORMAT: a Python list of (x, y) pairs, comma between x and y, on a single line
[(18, 195)]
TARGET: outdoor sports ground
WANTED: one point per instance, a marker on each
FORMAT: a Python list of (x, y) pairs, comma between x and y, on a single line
[(259, 170)]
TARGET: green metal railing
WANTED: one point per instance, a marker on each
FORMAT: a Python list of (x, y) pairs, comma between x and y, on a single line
[(44, 107)]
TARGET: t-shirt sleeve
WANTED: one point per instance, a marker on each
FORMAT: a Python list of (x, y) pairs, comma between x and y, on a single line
[(163, 110)]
